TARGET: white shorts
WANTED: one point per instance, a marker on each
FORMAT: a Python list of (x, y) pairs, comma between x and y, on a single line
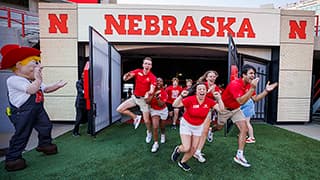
[(144, 107), (188, 129), (163, 113)]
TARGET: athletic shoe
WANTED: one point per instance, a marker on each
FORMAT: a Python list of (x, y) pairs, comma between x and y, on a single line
[(184, 166), (199, 157), (148, 137), (136, 121), (210, 135), (175, 154), (163, 138), (242, 161), (173, 126), (155, 147), (250, 140), (75, 134)]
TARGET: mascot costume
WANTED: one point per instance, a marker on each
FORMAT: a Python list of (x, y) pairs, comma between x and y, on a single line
[(26, 111)]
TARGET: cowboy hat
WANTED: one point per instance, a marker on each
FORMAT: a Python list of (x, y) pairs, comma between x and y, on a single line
[(13, 53)]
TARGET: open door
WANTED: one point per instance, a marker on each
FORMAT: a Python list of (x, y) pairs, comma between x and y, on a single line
[(104, 86), (115, 84)]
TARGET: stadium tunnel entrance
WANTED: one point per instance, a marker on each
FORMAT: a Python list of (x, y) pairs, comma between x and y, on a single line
[(178, 61), (185, 62)]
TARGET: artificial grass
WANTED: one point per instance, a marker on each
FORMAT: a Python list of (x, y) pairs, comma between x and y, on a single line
[(120, 152)]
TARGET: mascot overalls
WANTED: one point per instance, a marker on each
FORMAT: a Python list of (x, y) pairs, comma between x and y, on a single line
[(26, 111)]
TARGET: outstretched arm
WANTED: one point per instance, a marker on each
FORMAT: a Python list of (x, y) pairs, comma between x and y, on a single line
[(264, 93), (55, 86), (128, 76)]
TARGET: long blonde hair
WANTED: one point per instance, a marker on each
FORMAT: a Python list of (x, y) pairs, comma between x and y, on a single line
[(204, 76)]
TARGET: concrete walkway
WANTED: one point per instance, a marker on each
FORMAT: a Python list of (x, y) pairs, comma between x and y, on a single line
[(310, 130), (57, 130)]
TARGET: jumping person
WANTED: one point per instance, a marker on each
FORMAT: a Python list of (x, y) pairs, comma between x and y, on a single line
[(238, 92), (145, 82), (159, 113), (197, 107), (26, 111), (209, 79), (173, 92)]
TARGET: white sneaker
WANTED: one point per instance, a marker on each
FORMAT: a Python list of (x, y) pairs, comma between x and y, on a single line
[(148, 137), (155, 147), (199, 157), (163, 138), (137, 121), (242, 161)]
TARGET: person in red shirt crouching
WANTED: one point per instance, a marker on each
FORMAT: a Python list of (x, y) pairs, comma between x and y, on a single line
[(197, 111)]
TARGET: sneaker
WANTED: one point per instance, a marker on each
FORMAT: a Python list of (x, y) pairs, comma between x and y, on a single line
[(173, 126), (75, 134), (155, 147), (242, 161), (163, 138), (210, 135), (250, 140), (148, 137), (199, 157), (175, 154), (137, 121), (184, 166)]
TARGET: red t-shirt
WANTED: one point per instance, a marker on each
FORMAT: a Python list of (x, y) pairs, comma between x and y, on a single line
[(143, 82), (196, 113), (173, 93), (163, 96), (216, 89), (234, 90)]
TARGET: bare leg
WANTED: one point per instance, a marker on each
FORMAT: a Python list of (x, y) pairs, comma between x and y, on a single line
[(250, 128), (124, 106), (163, 126), (146, 118), (192, 143), (204, 135), (242, 126), (175, 115), (155, 125)]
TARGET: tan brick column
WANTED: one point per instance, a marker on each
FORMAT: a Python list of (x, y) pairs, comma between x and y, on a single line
[(296, 56), (59, 46)]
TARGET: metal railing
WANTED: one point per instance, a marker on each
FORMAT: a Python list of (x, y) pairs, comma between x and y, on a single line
[(19, 17)]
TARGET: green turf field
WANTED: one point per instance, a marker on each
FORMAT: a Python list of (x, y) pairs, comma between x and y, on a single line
[(120, 152)]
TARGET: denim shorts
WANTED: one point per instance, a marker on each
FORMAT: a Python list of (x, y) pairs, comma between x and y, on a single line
[(248, 108)]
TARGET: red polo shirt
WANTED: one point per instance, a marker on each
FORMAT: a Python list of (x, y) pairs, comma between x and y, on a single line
[(234, 90), (143, 82), (163, 96), (196, 113), (173, 93)]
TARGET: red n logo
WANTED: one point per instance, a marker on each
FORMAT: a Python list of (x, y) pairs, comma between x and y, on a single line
[(58, 23), (296, 29)]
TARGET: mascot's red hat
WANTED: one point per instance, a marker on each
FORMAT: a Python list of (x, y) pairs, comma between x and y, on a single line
[(13, 53)]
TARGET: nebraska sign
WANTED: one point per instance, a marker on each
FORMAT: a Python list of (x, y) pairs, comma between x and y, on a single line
[(162, 25)]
